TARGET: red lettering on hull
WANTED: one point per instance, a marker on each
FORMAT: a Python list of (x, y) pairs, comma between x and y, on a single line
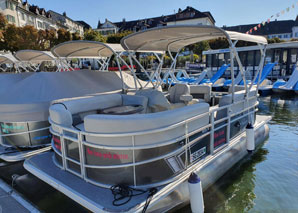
[(107, 155)]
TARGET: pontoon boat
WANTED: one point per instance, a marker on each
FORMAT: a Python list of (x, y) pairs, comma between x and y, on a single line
[(135, 152)]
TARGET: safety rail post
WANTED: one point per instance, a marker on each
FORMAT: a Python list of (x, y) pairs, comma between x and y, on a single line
[(212, 133), (187, 161), (229, 124), (134, 161), (82, 155), (63, 149)]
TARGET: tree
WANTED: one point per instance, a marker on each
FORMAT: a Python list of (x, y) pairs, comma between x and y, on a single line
[(3, 23), (274, 40), (116, 38), (219, 43), (10, 38), (76, 36), (63, 36), (92, 35)]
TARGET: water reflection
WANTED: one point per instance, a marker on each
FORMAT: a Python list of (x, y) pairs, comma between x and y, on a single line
[(266, 181), (234, 192)]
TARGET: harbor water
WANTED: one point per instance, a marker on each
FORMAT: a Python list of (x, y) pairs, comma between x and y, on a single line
[(266, 181)]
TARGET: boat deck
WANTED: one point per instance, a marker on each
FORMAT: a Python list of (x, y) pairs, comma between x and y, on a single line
[(88, 195), (100, 199), (11, 201), (14, 155)]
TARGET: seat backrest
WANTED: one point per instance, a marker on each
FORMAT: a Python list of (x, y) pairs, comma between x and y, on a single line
[(177, 91), (237, 107), (63, 112), (157, 101), (201, 92)]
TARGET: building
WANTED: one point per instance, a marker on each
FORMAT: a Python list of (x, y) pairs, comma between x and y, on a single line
[(182, 17), (22, 13), (71, 25), (285, 29), (285, 54), (85, 25)]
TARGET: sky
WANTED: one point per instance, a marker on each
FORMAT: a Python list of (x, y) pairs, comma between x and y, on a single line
[(225, 12)]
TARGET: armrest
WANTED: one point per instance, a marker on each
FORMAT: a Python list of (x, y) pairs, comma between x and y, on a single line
[(186, 98)]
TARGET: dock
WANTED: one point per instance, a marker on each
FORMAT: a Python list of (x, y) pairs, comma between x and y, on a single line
[(11, 201)]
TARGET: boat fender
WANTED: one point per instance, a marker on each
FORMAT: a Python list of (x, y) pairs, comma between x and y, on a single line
[(250, 138), (195, 193)]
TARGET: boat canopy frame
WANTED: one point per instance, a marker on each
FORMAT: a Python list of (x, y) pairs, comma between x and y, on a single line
[(34, 58), (102, 52), (174, 38)]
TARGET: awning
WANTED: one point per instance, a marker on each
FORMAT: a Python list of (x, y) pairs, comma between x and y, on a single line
[(34, 56), (85, 49), (173, 38), (8, 59)]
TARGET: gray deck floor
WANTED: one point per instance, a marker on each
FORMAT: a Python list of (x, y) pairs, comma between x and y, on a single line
[(12, 202), (90, 196)]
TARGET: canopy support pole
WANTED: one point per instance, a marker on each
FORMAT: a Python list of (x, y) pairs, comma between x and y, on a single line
[(142, 68), (120, 71)]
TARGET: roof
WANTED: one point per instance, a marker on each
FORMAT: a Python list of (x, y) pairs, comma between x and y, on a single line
[(86, 26), (186, 14), (7, 58), (85, 49), (34, 55), (173, 38), (274, 27), (56, 15)]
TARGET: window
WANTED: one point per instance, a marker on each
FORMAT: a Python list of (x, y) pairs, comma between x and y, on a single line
[(250, 58), (296, 34), (286, 36), (23, 16), (11, 18), (9, 5), (39, 24), (279, 36)]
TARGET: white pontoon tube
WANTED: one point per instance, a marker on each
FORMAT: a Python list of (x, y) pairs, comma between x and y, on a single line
[(174, 38)]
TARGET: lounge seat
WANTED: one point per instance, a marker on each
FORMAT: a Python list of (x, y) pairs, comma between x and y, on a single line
[(71, 112), (144, 122)]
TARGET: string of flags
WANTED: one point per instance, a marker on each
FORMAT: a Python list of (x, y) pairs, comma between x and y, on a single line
[(263, 23)]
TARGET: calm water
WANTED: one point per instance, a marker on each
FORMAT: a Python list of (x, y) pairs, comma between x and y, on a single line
[(264, 182), (267, 181)]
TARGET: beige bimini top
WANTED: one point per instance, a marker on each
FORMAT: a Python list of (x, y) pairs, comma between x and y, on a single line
[(173, 38), (34, 56), (85, 49)]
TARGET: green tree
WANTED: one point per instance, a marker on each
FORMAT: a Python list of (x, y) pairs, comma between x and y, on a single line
[(219, 43), (275, 40), (10, 38), (3, 23), (63, 36), (116, 38), (92, 35), (76, 36)]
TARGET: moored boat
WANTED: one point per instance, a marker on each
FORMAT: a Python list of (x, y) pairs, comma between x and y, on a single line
[(148, 143)]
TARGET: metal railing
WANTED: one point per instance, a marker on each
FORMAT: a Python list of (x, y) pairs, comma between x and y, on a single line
[(20, 134), (76, 136)]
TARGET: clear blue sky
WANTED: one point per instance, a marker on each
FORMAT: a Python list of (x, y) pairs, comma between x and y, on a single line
[(225, 12)]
